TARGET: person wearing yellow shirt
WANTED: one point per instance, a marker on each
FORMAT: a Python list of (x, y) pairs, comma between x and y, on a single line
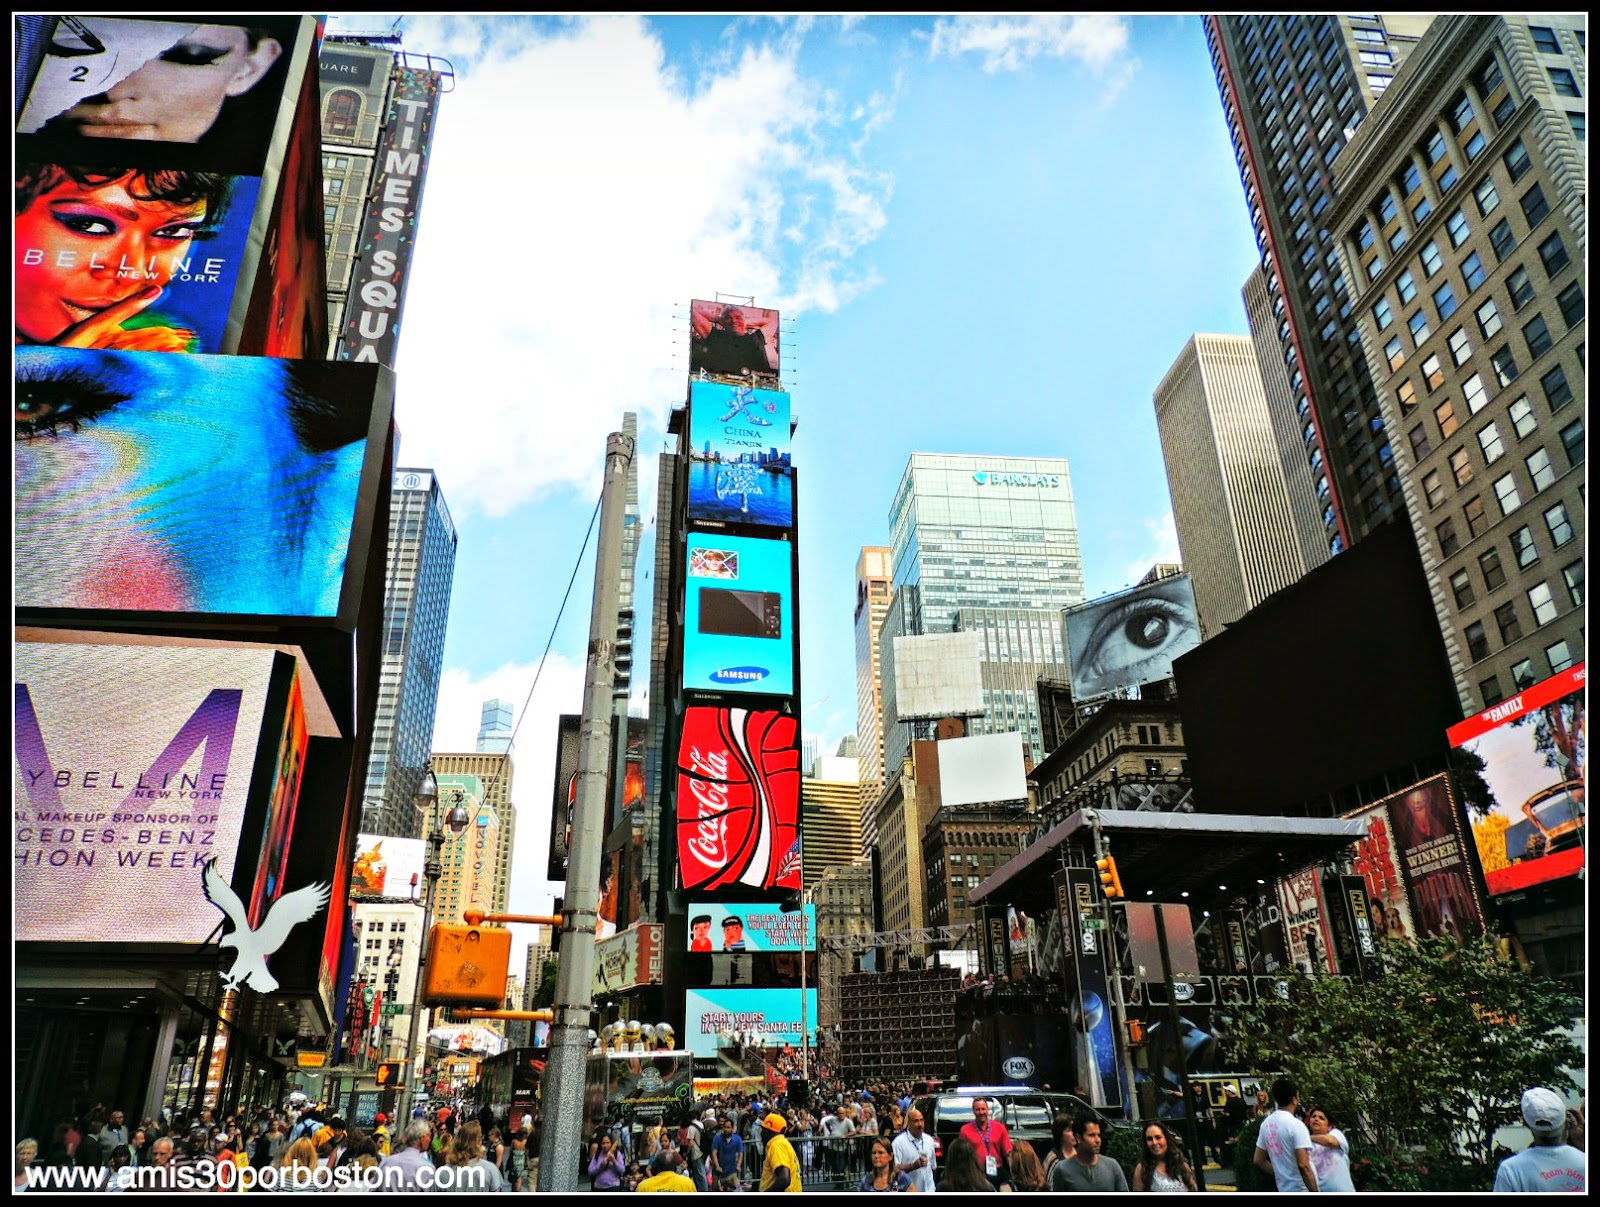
[(665, 1175), (781, 1170)]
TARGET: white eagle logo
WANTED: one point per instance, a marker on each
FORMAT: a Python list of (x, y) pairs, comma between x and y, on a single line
[(252, 947)]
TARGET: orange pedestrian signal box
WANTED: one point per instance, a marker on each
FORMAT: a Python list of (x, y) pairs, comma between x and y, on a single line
[(466, 966), (389, 1072)]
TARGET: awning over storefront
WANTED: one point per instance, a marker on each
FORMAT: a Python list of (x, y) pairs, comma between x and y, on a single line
[(1171, 856)]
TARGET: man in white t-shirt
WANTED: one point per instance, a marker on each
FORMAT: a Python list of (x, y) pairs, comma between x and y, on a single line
[(913, 1154), (1283, 1146), (1550, 1164)]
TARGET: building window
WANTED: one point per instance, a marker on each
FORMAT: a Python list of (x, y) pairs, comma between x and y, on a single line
[(1544, 605), (1540, 469), (1560, 526), (1461, 467), (1489, 441), (1560, 655), (1505, 619), (1461, 586), (1419, 214), (1477, 518), (1475, 145), (1523, 546), (344, 113), (1505, 491), (1456, 224), (1447, 179), (1445, 413), (1537, 333), (1494, 575), (1472, 272), (1407, 394), (1522, 417), (1490, 688), (1393, 353), (1418, 323), (1460, 346), (330, 215), (1578, 122), (1504, 363), (1444, 300), (1544, 39), (1488, 77), (1449, 542), (1520, 286), (1556, 390), (1387, 208), (1522, 674), (1410, 179), (1432, 368), (1534, 206), (1562, 81), (1572, 441), (1502, 240), (1432, 261), (1517, 161), (1573, 577), (1472, 390), (1477, 641), (1554, 254), (1570, 300), (1488, 199), (1381, 313), (1433, 488), (1407, 285), (1488, 318)]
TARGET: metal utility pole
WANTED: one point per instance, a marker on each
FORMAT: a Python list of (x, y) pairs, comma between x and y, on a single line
[(1197, 1156), (1119, 1006), (563, 1094)]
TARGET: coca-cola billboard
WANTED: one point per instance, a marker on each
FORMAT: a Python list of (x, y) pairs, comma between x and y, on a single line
[(738, 800)]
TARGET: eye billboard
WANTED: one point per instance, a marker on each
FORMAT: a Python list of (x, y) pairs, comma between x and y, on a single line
[(738, 800), (739, 616), (135, 766), (739, 455), (1131, 638), (1526, 802), (217, 485)]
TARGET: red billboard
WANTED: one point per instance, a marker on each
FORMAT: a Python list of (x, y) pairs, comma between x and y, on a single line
[(731, 341), (738, 800), (1376, 861), (1524, 788), (1434, 855)]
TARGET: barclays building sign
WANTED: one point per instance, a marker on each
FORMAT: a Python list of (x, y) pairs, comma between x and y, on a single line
[(984, 478)]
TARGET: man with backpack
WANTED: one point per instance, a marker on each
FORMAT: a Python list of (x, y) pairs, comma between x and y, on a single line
[(691, 1139)]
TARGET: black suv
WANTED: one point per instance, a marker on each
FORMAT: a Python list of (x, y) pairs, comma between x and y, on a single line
[(1026, 1113)]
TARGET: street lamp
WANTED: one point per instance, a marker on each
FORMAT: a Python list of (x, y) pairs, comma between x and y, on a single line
[(424, 799)]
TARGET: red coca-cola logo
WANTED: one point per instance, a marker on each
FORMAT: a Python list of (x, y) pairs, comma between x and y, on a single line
[(738, 799)]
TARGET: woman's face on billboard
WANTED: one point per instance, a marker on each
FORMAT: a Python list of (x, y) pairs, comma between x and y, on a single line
[(177, 96), (92, 256)]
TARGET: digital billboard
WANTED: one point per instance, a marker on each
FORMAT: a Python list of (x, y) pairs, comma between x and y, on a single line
[(201, 95), (738, 800), (134, 770), (386, 866), (1427, 835), (733, 341), (142, 260), (195, 484), (278, 825), (714, 926), (723, 1022), (1131, 638), (1376, 862), (739, 455), (739, 616), (568, 741), (1525, 800)]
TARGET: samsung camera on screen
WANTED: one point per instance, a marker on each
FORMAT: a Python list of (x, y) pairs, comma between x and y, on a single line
[(740, 613)]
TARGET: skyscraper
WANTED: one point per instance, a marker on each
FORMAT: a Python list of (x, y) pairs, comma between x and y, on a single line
[(476, 862), (495, 727), (1461, 222), (830, 818), (416, 609), (1231, 500), (978, 533), (873, 593), (1293, 88)]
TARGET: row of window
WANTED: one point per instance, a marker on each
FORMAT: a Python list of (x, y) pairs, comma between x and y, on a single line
[(1556, 519), (1558, 654)]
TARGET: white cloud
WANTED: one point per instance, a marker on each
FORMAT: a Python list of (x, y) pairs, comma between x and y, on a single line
[(1162, 535), (1006, 43), (455, 729), (579, 193)]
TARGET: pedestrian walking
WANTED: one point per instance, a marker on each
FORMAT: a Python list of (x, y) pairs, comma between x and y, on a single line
[(1283, 1145), (1088, 1169), (1550, 1163), (1162, 1165), (781, 1170), (914, 1153), (961, 1169), (1330, 1153), (992, 1142)]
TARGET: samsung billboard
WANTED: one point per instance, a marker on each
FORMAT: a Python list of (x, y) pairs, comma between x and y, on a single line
[(218, 485), (739, 616)]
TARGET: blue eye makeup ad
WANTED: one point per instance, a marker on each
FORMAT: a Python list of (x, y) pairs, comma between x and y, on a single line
[(1131, 638)]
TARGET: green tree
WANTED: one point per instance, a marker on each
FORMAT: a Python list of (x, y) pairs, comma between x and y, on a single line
[(1424, 1064), (545, 995)]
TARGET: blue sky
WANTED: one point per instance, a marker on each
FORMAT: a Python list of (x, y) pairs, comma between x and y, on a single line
[(986, 235)]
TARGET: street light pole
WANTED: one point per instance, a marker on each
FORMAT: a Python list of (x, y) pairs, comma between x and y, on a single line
[(567, 1067)]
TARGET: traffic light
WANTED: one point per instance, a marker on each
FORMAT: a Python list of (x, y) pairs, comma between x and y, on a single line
[(622, 652), (467, 966), (1110, 882), (389, 1072)]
